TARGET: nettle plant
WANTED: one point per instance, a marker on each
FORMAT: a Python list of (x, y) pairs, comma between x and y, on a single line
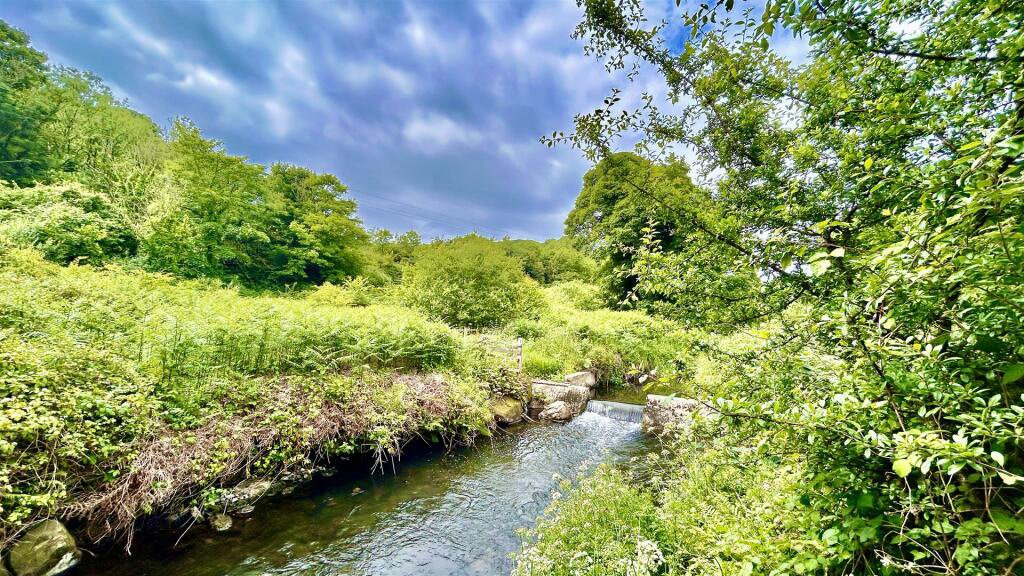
[(880, 186)]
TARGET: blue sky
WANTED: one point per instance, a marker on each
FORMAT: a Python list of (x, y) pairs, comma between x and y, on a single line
[(430, 111)]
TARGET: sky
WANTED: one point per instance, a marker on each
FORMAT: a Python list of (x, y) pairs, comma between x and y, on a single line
[(430, 111)]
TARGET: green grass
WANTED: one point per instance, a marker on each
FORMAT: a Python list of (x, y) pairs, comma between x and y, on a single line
[(614, 344), (97, 365)]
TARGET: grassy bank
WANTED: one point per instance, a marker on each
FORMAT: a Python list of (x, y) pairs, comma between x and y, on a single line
[(127, 393), (575, 332)]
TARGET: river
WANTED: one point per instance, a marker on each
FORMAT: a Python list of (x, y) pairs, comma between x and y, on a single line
[(455, 513)]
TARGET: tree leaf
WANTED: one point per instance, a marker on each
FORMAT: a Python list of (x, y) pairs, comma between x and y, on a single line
[(902, 467), (998, 457), (1013, 373)]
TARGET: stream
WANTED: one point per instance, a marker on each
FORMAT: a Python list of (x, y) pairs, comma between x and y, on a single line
[(437, 514)]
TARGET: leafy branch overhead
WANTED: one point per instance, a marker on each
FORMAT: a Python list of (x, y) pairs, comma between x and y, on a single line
[(876, 188)]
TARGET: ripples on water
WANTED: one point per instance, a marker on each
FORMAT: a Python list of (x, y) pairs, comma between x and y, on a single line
[(439, 515)]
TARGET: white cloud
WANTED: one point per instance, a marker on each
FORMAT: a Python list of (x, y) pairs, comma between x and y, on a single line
[(422, 36), (279, 116), (126, 28), (433, 132), (366, 73), (202, 80)]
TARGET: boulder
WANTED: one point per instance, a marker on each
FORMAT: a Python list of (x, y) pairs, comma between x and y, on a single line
[(221, 522), (557, 410), (584, 378), (543, 393), (664, 412), (507, 410), (47, 549), (247, 492)]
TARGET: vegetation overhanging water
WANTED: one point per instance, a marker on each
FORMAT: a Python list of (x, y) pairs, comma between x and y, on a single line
[(454, 513)]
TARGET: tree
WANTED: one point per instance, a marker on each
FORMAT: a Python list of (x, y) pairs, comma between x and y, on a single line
[(880, 187), (628, 215), (470, 282), (99, 141), (316, 238), (550, 261), (24, 108), (218, 228)]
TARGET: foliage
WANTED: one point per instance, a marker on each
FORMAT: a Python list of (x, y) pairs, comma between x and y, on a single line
[(103, 367), (65, 221), (606, 526), (235, 222), (388, 253), (878, 186), (616, 345), (550, 261), (470, 282), (23, 108)]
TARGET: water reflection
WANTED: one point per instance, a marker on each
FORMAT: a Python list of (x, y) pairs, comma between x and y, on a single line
[(446, 514)]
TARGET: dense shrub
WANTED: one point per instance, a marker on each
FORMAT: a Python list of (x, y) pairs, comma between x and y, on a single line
[(606, 526), (470, 282), (614, 344), (550, 261), (65, 221), (96, 365)]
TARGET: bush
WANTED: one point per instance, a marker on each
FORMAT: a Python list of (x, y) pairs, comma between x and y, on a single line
[(577, 294), (65, 222), (614, 344), (470, 282), (605, 526), (98, 364), (354, 292)]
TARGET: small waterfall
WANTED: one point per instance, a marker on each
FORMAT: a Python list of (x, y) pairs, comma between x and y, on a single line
[(617, 410)]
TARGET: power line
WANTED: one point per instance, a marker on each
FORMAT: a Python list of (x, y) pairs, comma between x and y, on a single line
[(436, 217), (390, 210)]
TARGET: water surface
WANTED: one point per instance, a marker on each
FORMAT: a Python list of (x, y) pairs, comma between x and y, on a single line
[(450, 514)]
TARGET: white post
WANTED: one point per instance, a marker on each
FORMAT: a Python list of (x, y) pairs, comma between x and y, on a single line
[(520, 343)]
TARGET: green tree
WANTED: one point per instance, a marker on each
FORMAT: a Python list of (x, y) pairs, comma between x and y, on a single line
[(880, 185), (387, 253), (315, 236), (24, 108), (470, 282), (219, 227), (99, 141), (550, 261)]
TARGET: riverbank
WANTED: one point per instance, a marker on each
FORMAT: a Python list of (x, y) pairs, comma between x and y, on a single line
[(128, 394), (131, 395), (440, 512)]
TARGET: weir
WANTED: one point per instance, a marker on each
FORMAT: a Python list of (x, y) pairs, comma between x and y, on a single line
[(617, 410)]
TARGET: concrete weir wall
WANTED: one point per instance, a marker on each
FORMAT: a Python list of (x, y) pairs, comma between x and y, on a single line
[(562, 401), (665, 412), (551, 400)]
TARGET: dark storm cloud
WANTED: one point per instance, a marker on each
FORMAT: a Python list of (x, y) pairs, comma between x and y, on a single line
[(435, 105)]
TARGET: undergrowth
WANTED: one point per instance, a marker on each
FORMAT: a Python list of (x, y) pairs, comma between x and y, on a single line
[(124, 393)]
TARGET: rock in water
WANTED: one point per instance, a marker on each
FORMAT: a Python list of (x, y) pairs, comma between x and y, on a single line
[(47, 549), (507, 410), (585, 378), (662, 413), (220, 522), (557, 410)]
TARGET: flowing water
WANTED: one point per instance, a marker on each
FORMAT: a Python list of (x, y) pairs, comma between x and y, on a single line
[(617, 410), (450, 514)]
